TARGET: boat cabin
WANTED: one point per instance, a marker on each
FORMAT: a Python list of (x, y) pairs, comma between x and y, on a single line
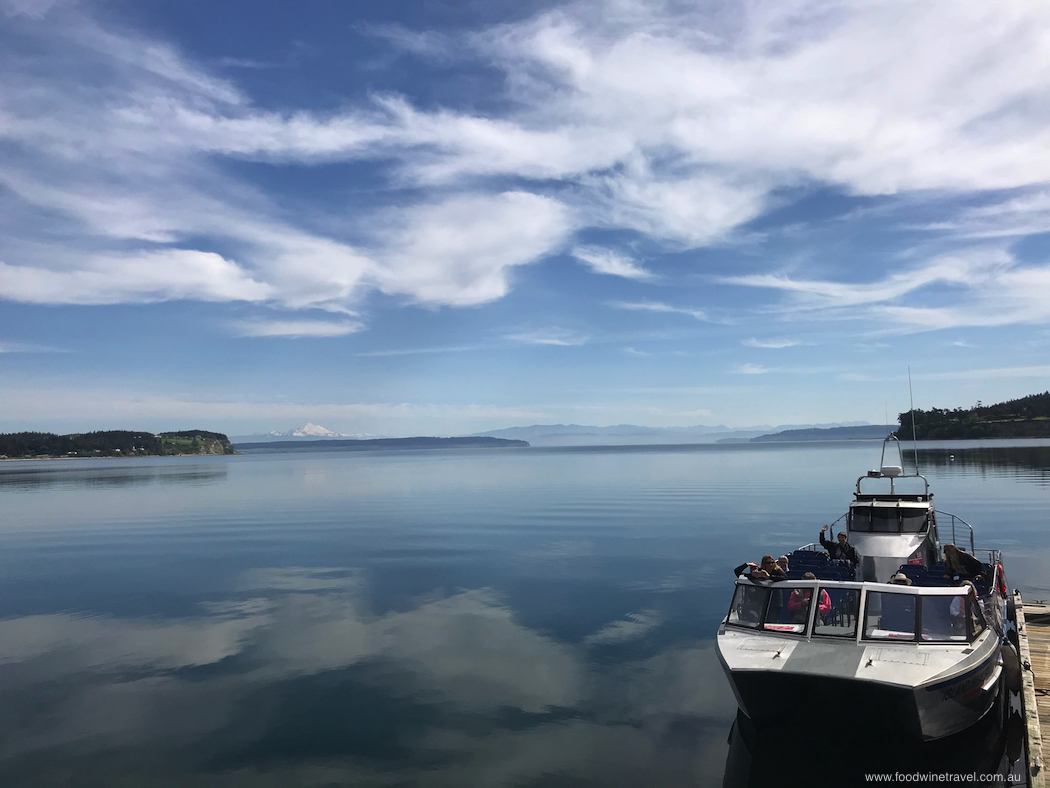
[(892, 522)]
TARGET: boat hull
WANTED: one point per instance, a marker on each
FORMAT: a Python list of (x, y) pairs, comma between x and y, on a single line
[(927, 712)]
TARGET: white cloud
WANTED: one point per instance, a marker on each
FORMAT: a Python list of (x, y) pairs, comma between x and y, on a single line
[(140, 277), (549, 336), (682, 123), (94, 405), (295, 328), (752, 369), (657, 306), (770, 343), (459, 251), (7, 346), (990, 289), (606, 261)]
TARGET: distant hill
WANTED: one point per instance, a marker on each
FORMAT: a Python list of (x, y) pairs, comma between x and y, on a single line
[(634, 434), (112, 443), (378, 444), (866, 432), (1027, 417)]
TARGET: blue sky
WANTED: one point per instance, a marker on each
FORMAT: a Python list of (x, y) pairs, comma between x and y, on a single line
[(424, 218)]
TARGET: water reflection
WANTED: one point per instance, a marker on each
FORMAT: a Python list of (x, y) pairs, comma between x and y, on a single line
[(295, 675), (27, 477), (1028, 463), (535, 618), (842, 747)]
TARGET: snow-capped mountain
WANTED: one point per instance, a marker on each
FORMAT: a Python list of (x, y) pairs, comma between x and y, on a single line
[(308, 431)]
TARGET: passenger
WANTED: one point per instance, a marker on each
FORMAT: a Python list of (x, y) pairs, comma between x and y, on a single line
[(799, 599), (768, 570), (957, 608), (843, 551), (960, 563), (782, 562), (900, 579)]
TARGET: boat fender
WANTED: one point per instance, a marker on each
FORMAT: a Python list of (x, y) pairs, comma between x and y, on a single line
[(1011, 667), (1001, 587)]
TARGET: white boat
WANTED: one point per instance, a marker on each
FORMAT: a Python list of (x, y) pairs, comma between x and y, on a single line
[(926, 657)]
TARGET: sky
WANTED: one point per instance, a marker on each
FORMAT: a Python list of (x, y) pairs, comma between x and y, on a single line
[(443, 218)]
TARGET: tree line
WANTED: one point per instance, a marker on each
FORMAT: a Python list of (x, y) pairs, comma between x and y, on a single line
[(1017, 418), (103, 443)]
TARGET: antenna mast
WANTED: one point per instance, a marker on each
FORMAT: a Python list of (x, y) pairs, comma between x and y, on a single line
[(911, 404)]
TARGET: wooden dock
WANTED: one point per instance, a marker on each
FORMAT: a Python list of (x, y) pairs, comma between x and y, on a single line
[(1033, 629)]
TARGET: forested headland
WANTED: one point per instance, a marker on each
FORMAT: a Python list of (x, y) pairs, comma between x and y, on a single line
[(1027, 417), (112, 443)]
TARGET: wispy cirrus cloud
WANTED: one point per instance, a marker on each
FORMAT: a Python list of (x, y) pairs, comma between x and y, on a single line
[(991, 288), (658, 306), (8, 346), (606, 261), (770, 343), (549, 336), (295, 328), (753, 369)]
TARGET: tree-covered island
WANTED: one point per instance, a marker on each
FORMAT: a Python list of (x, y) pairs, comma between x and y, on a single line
[(1027, 417), (112, 443)]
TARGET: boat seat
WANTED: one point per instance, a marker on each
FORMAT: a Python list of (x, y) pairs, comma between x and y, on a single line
[(807, 555), (898, 613), (914, 572), (936, 580)]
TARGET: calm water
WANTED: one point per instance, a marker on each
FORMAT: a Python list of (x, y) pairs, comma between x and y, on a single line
[(524, 617)]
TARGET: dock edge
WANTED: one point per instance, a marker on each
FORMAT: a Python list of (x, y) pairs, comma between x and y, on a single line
[(1034, 739)]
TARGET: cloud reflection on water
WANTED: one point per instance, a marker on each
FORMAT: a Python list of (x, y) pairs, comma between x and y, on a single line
[(295, 675)]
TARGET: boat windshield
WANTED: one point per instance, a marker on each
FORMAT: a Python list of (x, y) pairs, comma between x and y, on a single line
[(889, 616), (944, 618), (887, 519), (837, 616), (749, 603), (788, 610)]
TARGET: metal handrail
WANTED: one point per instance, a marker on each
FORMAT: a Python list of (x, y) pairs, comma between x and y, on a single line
[(961, 520)]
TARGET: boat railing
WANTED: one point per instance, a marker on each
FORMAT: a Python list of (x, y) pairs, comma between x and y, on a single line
[(957, 521), (994, 556)]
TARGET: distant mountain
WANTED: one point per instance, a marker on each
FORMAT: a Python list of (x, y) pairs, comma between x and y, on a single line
[(379, 444), (634, 434), (308, 432), (855, 433)]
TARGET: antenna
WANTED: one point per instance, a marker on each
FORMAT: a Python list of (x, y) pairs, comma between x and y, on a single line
[(911, 404)]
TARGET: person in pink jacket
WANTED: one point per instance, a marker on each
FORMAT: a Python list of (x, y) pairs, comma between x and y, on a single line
[(800, 598)]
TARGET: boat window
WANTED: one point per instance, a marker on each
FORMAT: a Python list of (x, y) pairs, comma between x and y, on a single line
[(749, 602), (913, 521), (788, 610), (889, 616), (887, 520), (976, 618), (837, 614), (944, 618)]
